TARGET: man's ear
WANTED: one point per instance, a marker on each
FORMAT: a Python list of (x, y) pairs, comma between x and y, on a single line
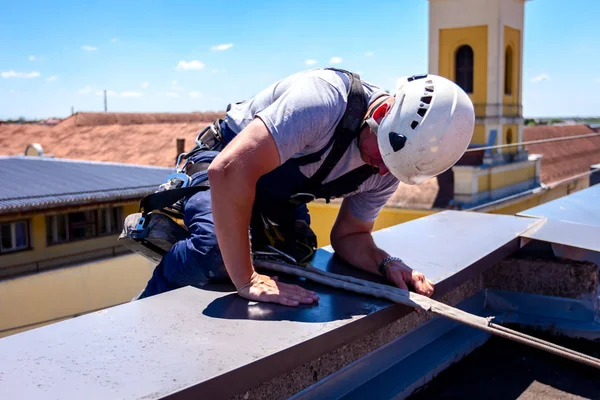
[(380, 112)]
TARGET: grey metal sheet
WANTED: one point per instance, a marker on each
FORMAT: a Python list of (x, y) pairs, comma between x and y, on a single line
[(566, 233), (212, 343), (54, 181), (582, 207), (442, 245)]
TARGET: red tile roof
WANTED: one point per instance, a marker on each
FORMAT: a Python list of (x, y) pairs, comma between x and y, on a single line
[(563, 159)]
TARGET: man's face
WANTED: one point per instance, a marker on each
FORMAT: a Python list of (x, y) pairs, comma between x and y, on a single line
[(367, 140)]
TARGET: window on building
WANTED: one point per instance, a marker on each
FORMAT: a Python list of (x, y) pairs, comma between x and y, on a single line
[(14, 236), (83, 225), (509, 136), (508, 71), (464, 68)]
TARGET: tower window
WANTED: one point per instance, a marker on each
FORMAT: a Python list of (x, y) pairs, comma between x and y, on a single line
[(464, 68), (509, 136), (508, 71)]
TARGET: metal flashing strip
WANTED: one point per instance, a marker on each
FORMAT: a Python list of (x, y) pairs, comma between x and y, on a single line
[(210, 342), (582, 236), (502, 301), (581, 207), (409, 362)]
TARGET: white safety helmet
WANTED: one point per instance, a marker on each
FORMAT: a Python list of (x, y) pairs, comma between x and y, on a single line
[(427, 130)]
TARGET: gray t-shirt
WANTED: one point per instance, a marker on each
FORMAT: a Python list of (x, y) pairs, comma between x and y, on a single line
[(301, 113)]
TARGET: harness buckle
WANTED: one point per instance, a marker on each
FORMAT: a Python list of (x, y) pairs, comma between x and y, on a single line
[(177, 180), (209, 138), (302, 198)]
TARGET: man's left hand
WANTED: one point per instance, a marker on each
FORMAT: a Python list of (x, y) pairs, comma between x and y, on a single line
[(403, 276)]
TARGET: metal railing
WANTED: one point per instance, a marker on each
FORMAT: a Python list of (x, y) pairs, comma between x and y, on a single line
[(500, 146)]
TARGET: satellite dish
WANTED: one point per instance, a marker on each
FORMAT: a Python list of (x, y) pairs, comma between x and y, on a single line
[(34, 149)]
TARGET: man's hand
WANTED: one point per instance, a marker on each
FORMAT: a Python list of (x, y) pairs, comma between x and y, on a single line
[(403, 276), (266, 289)]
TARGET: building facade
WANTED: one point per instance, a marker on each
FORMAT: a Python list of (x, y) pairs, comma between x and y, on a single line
[(479, 45), (59, 223)]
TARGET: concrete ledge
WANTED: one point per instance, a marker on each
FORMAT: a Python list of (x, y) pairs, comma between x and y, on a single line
[(211, 343), (291, 382)]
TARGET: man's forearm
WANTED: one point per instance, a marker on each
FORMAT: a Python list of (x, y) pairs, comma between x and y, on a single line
[(360, 250), (232, 197)]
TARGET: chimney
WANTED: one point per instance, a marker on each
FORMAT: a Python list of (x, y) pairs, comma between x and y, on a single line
[(180, 146)]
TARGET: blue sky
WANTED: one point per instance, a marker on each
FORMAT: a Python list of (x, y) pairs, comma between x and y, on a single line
[(181, 56)]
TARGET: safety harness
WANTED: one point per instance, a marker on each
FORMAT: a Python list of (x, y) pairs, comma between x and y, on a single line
[(347, 130), (168, 199)]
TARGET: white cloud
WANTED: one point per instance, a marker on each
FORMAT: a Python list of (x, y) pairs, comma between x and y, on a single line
[(214, 71), (222, 47), (171, 94), (52, 78), (145, 85), (369, 54), (114, 40), (85, 90), (310, 62), (190, 65), (131, 94), (335, 60), (14, 74), (108, 93), (195, 94), (31, 58), (540, 78), (89, 48)]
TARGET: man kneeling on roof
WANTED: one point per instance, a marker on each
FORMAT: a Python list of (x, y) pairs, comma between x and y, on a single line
[(321, 133)]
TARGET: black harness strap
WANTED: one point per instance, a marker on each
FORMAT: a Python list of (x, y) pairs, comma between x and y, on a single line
[(166, 198), (346, 183), (346, 131)]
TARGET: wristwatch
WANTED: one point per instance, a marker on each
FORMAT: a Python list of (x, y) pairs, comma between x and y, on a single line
[(383, 264)]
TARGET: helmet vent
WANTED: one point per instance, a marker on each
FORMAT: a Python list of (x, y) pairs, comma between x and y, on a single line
[(429, 82), (416, 77), (397, 141), (426, 99), (414, 124), (422, 111), (429, 88)]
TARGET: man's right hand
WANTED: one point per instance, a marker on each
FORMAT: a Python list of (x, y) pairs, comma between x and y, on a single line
[(263, 288)]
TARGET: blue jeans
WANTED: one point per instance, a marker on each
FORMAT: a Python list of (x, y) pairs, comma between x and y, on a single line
[(197, 259)]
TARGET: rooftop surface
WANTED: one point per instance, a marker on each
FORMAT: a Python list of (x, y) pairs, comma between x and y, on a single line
[(566, 158), (31, 183), (150, 139), (213, 341)]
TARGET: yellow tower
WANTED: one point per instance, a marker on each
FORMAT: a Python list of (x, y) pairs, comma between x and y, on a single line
[(479, 45)]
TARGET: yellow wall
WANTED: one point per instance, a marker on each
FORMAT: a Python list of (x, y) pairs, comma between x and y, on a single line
[(43, 256), (511, 208), (498, 179), (323, 216), (479, 135), (49, 296), (512, 38), (476, 37)]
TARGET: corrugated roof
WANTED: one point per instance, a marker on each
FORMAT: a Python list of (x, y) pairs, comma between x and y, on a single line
[(38, 182), (564, 159)]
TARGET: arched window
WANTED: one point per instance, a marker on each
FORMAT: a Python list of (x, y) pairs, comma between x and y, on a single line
[(464, 68), (509, 136), (508, 71)]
